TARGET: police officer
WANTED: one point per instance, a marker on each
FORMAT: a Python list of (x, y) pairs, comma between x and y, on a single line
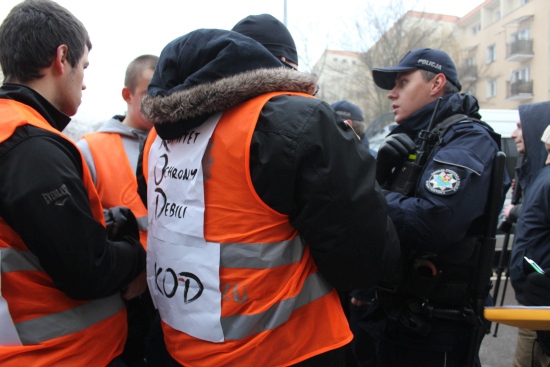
[(434, 220)]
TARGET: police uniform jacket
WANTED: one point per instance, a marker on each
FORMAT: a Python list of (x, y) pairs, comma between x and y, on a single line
[(453, 187)]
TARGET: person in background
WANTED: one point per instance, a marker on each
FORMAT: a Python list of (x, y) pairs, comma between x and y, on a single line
[(62, 270), (409, 318), (511, 211), (111, 155), (254, 186), (353, 115), (532, 229)]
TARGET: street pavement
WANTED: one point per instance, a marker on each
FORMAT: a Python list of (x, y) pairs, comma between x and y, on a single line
[(499, 351)]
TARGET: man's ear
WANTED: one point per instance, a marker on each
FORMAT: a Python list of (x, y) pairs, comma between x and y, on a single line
[(60, 62), (438, 85), (127, 94)]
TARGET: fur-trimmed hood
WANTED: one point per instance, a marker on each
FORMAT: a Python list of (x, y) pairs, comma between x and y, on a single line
[(209, 71)]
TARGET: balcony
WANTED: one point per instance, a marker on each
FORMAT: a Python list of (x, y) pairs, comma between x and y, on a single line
[(519, 90), (468, 73), (519, 51)]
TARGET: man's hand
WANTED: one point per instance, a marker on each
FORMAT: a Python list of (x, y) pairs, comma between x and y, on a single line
[(120, 222), (136, 287), (392, 152), (506, 211), (537, 289)]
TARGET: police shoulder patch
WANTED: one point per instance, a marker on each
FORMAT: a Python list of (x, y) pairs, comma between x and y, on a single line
[(443, 182)]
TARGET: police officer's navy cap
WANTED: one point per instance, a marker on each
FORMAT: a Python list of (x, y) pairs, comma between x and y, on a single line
[(428, 59), (348, 110)]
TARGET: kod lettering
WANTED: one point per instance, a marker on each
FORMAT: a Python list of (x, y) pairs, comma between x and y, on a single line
[(192, 285)]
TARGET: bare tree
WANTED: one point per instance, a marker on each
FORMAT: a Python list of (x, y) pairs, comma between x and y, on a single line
[(385, 33)]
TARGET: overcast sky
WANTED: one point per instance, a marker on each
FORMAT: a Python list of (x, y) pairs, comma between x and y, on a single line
[(121, 30)]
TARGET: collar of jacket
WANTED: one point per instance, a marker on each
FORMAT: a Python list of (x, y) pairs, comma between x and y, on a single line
[(452, 104), (177, 113), (31, 98)]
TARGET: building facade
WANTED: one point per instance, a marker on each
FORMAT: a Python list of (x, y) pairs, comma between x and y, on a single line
[(501, 49), (505, 52)]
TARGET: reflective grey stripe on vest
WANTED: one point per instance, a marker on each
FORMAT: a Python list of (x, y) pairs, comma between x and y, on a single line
[(13, 260), (261, 256), (142, 223), (241, 326), (61, 323), (70, 321)]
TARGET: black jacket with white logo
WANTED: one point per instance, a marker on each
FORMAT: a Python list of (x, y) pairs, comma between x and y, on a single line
[(43, 198)]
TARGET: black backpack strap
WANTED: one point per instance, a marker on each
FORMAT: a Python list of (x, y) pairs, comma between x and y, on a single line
[(442, 128)]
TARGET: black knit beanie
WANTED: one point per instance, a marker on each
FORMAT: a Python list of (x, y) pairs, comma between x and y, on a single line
[(271, 33)]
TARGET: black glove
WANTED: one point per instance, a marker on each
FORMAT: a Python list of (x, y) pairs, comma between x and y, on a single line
[(392, 152), (537, 289), (120, 222)]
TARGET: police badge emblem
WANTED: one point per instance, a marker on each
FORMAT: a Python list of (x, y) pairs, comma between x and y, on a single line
[(443, 182)]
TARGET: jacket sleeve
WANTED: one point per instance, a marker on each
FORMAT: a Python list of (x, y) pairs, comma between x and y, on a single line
[(532, 237), (44, 200), (307, 163), (514, 213), (440, 215)]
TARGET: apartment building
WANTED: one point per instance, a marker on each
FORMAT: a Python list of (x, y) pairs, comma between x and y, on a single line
[(504, 58), (341, 75)]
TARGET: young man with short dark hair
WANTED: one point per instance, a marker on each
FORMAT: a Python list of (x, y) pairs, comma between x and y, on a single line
[(62, 278)]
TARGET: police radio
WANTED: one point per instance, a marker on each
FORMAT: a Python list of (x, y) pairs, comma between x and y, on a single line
[(405, 179)]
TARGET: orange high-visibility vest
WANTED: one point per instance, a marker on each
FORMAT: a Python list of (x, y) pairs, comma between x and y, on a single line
[(276, 309), (116, 182), (54, 329)]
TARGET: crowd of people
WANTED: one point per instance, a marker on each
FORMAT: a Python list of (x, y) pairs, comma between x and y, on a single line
[(231, 218)]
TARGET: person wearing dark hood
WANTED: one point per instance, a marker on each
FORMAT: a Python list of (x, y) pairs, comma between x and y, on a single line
[(353, 115), (536, 286), (532, 234), (63, 268), (261, 201), (434, 220)]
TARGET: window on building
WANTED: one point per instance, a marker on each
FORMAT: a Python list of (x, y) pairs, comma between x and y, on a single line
[(523, 2), (496, 15), (491, 88), (471, 60), (520, 75), (491, 54), (476, 28), (521, 35)]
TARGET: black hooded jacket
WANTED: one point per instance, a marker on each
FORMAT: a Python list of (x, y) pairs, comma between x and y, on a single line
[(532, 236), (70, 244), (304, 160)]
